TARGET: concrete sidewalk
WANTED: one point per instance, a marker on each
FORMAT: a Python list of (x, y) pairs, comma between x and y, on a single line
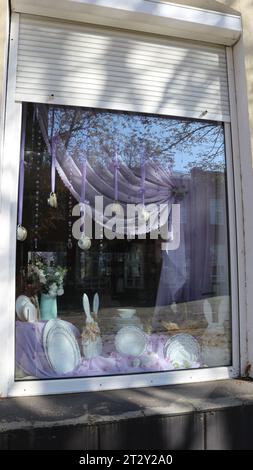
[(212, 415)]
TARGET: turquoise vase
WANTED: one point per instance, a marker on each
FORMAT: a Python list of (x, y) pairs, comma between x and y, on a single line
[(48, 307)]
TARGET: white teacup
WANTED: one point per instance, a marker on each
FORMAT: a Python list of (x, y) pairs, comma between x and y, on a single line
[(126, 313)]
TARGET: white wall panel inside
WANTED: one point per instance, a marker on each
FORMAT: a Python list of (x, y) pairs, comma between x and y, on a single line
[(68, 63)]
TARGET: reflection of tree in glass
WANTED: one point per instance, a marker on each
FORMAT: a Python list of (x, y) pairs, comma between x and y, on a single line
[(38, 162), (166, 141)]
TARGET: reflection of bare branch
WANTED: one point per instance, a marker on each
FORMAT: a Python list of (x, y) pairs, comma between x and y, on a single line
[(200, 139), (215, 142), (209, 161), (186, 136), (71, 127), (212, 156), (101, 132)]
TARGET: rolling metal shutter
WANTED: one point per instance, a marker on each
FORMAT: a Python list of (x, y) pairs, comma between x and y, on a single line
[(68, 63)]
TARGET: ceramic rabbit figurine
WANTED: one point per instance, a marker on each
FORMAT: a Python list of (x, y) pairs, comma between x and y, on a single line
[(91, 339), (216, 327), (214, 340)]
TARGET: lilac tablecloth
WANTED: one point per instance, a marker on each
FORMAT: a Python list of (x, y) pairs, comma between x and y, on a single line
[(31, 359)]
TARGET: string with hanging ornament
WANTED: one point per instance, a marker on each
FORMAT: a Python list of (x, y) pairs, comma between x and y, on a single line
[(21, 230), (52, 199), (84, 241), (69, 241), (144, 212), (37, 191), (70, 207), (116, 207)]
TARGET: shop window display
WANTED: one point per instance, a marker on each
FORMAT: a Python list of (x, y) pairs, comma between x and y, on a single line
[(100, 291)]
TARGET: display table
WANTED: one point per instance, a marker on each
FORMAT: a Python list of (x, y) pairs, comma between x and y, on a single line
[(31, 358)]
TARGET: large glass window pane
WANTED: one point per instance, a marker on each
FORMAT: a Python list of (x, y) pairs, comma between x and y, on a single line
[(105, 285)]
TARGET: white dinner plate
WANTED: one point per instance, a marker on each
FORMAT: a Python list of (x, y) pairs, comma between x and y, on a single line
[(130, 341), (182, 350), (60, 346), (20, 303)]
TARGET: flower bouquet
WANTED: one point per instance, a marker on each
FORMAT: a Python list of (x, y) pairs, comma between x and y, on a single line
[(51, 280)]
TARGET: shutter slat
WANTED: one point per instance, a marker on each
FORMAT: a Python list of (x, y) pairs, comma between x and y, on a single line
[(67, 63), (95, 88), (56, 27), (132, 99), (97, 68), (97, 73), (96, 80), (116, 49)]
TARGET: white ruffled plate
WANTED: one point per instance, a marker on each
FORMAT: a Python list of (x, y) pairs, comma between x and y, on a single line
[(182, 350), (60, 346), (130, 341)]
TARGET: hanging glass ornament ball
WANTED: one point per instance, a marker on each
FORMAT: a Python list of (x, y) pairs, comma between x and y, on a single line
[(145, 214), (116, 208), (21, 233), (84, 242)]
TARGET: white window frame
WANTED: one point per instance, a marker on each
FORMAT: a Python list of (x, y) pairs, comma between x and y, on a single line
[(10, 172)]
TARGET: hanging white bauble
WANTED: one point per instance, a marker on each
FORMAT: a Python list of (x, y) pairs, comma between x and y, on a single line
[(52, 200), (21, 233), (145, 215), (84, 242), (116, 208)]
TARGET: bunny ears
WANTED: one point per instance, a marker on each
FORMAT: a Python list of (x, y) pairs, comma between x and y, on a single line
[(86, 307), (223, 311), (95, 304)]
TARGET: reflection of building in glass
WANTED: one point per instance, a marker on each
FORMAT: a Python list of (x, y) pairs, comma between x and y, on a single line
[(200, 266), (133, 269), (217, 211)]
